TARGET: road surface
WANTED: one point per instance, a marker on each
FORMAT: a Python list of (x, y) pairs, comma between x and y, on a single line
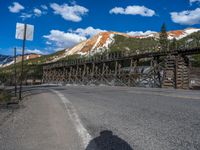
[(102, 118)]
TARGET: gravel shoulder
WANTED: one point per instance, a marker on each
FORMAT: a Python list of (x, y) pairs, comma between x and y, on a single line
[(41, 123)]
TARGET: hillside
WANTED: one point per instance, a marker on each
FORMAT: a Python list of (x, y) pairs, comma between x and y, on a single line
[(5, 59), (133, 44), (192, 40), (9, 60), (116, 41)]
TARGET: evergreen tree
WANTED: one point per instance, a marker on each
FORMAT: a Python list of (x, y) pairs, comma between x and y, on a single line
[(163, 38), (173, 44), (197, 39)]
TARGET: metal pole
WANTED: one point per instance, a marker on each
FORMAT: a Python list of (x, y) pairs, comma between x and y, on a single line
[(22, 67), (15, 71)]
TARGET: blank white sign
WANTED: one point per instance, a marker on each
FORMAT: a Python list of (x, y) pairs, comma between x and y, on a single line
[(20, 28)]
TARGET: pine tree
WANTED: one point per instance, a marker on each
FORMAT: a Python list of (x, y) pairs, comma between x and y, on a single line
[(163, 38), (173, 44)]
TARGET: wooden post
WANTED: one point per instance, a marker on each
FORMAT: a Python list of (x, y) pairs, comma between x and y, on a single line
[(130, 72), (158, 72), (102, 72), (175, 72), (93, 69), (116, 68)]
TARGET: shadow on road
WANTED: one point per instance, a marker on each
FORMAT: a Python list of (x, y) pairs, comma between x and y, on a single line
[(108, 141)]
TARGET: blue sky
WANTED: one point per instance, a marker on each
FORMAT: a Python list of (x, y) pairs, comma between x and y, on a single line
[(63, 23)]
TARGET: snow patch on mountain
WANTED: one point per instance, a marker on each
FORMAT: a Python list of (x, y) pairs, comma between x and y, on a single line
[(102, 43), (75, 49), (191, 30), (8, 64), (179, 34), (109, 41), (96, 44)]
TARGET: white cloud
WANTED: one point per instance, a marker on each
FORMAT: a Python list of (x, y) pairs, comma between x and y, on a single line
[(140, 33), (16, 7), (117, 10), (32, 14), (133, 10), (89, 31), (71, 13), (25, 16), (36, 51), (188, 17), (44, 7), (194, 1), (37, 12), (62, 39), (48, 43)]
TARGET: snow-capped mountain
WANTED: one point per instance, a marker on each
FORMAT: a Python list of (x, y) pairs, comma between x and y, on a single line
[(5, 59), (98, 43), (177, 34), (101, 42), (95, 44), (9, 60)]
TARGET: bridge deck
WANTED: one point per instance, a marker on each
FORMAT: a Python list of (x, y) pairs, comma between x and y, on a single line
[(121, 56)]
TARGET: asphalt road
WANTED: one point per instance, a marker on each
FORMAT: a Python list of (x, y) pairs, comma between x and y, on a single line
[(103, 118)]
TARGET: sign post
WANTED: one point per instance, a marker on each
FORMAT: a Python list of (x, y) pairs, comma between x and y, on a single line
[(23, 32), (15, 71)]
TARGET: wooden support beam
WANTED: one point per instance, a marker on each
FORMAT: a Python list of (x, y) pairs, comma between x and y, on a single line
[(114, 66), (130, 67)]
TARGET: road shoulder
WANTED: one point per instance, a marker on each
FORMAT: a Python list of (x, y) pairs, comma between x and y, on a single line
[(40, 123)]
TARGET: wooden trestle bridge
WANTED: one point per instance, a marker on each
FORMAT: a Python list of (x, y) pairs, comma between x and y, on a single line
[(150, 69)]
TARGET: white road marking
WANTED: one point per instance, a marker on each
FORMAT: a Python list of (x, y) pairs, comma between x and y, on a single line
[(82, 131)]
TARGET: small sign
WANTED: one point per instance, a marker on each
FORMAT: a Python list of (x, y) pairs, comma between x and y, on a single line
[(20, 29)]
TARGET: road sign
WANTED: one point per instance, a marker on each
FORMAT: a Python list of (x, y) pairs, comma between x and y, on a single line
[(20, 29), (23, 32)]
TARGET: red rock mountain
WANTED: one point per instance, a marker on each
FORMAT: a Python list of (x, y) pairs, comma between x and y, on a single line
[(101, 41)]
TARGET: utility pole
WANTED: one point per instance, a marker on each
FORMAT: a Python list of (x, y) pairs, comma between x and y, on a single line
[(22, 65), (15, 71)]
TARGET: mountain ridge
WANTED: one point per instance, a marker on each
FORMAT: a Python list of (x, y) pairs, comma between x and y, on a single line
[(102, 40), (6, 60), (114, 41)]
